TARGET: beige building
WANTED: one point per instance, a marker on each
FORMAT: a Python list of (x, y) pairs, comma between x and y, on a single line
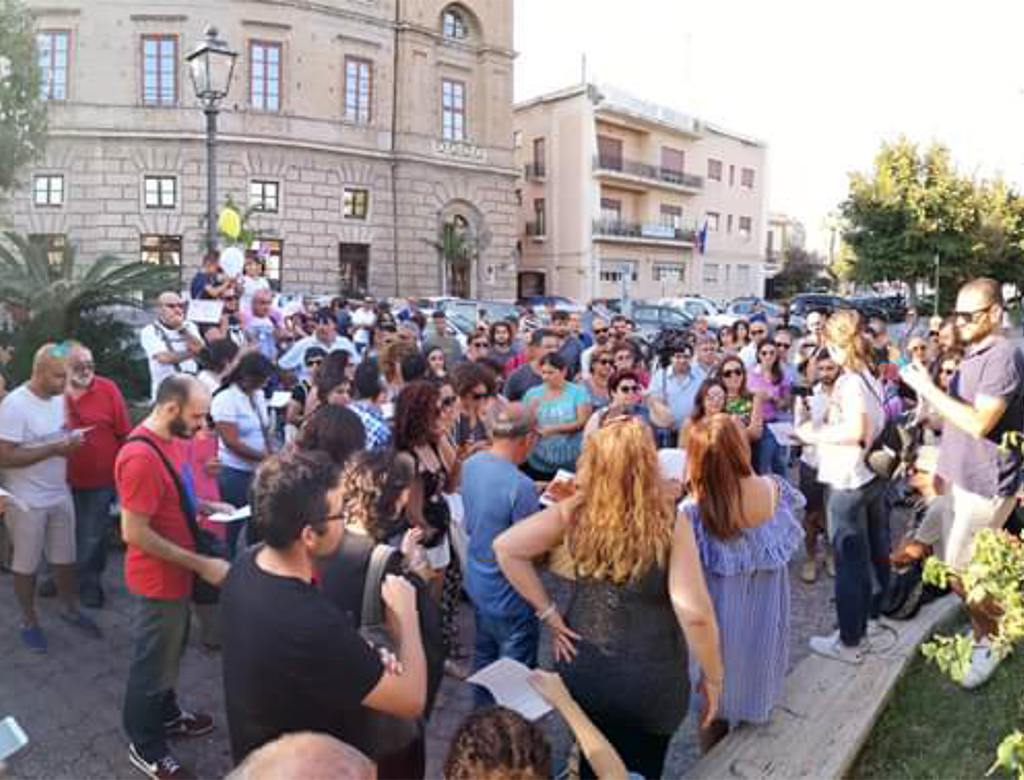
[(616, 193), (359, 128)]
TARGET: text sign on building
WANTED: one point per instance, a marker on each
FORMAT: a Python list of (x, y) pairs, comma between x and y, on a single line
[(461, 150)]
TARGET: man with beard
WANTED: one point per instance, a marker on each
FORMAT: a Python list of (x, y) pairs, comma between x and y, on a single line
[(161, 564), (986, 401)]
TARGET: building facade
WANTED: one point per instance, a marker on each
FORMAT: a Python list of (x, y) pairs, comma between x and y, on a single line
[(359, 129), (618, 195)]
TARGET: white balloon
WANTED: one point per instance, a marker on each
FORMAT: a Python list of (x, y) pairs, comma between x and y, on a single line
[(232, 261)]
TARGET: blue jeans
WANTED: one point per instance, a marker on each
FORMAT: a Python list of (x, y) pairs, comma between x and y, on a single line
[(92, 527), (858, 528), (500, 637), (234, 488), (160, 629)]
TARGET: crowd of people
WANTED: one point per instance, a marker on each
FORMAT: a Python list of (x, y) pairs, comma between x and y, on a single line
[(391, 471)]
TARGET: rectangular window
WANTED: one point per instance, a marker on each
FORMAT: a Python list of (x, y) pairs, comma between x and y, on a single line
[(161, 192), (159, 70), (358, 90), (747, 178), (611, 210), (263, 196), (453, 110), (746, 228), (609, 152), (713, 218), (732, 175), (540, 216), (668, 273), (48, 190), (672, 216), (672, 162), (265, 75), (162, 250), (710, 273), (357, 203), (714, 169), (52, 47), (271, 250), (354, 269), (54, 245)]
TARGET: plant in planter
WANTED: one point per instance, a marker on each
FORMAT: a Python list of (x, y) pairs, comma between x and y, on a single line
[(994, 576)]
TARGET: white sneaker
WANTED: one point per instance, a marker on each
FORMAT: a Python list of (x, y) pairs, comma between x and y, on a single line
[(984, 662), (831, 646), (882, 635)]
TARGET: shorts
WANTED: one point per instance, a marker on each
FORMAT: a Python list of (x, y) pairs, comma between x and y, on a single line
[(50, 530), (813, 490), (972, 513)]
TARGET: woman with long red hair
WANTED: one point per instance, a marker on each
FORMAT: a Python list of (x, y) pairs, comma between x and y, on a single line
[(746, 530)]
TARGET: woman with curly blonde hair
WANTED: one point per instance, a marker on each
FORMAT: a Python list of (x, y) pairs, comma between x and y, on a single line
[(638, 580)]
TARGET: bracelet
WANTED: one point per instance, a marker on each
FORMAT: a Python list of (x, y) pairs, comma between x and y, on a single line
[(544, 614)]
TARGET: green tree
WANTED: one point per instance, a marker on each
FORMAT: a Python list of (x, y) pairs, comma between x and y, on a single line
[(22, 111), (50, 299)]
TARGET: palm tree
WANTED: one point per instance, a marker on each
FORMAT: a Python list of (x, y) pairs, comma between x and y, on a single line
[(50, 300)]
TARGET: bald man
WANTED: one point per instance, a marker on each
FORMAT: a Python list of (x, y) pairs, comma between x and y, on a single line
[(34, 447), (307, 756), (171, 342)]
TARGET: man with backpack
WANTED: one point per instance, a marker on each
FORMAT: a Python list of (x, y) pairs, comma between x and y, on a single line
[(985, 402)]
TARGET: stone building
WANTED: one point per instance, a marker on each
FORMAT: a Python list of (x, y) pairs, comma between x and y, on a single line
[(358, 128), (620, 195)]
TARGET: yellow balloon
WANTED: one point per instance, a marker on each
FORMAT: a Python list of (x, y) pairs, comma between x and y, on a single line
[(230, 223)]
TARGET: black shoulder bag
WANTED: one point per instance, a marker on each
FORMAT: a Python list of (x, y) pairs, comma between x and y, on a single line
[(206, 542)]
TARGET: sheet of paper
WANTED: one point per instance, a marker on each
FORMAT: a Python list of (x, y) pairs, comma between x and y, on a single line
[(508, 682), (226, 517), (205, 312), (783, 432), (548, 498), (280, 399)]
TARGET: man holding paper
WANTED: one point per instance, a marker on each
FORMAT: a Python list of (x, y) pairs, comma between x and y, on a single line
[(40, 516)]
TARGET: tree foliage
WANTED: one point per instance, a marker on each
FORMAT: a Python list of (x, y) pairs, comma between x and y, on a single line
[(915, 206), (22, 110)]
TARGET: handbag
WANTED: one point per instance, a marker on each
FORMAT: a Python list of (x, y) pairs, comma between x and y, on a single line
[(206, 543), (388, 733)]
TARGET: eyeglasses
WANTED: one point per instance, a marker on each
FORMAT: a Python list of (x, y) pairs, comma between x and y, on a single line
[(731, 372), (972, 316)]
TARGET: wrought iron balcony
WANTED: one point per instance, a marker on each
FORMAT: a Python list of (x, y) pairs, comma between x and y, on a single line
[(613, 228), (653, 173)]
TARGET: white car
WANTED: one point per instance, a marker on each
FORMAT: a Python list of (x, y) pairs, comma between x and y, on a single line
[(701, 307)]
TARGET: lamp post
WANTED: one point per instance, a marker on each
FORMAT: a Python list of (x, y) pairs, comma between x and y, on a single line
[(211, 65)]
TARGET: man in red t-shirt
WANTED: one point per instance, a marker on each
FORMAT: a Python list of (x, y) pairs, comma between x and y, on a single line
[(94, 404), (160, 566)]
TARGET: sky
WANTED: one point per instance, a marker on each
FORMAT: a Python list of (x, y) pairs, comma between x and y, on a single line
[(823, 82)]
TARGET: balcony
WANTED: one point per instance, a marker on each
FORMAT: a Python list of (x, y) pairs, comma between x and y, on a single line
[(535, 171), (536, 230), (638, 173), (639, 233)]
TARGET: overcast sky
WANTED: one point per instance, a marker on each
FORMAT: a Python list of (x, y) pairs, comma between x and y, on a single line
[(822, 81)]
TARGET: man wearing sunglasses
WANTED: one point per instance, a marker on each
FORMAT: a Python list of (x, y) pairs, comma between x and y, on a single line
[(171, 342), (985, 403)]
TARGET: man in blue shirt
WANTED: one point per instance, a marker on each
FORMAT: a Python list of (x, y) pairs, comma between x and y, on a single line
[(497, 494)]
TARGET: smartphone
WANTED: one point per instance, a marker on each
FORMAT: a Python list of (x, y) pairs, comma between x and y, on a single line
[(12, 738)]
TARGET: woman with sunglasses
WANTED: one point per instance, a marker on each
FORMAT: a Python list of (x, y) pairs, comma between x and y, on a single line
[(628, 400), (562, 410), (739, 401), (475, 385), (768, 380), (710, 399)]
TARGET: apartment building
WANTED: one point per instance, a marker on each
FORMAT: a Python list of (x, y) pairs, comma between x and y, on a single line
[(358, 129), (618, 195)]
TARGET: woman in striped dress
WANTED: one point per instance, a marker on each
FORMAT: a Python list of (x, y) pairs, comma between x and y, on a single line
[(747, 530)]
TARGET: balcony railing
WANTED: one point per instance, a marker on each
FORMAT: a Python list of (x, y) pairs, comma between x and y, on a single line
[(614, 228), (534, 171), (649, 172), (536, 229)]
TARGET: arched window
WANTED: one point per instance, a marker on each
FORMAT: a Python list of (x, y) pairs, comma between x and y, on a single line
[(453, 24)]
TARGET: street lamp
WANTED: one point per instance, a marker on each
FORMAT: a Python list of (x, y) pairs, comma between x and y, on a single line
[(211, 65)]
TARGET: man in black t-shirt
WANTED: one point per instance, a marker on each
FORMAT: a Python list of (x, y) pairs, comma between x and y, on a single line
[(292, 660)]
